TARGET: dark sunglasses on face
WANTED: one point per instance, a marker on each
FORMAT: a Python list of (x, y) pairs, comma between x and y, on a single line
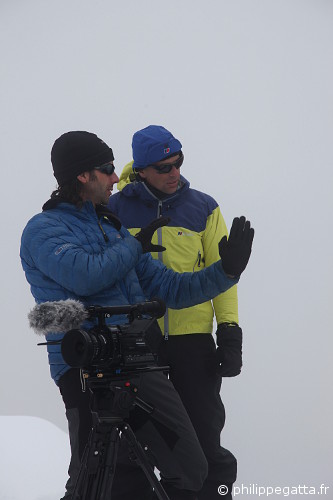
[(167, 167), (107, 169)]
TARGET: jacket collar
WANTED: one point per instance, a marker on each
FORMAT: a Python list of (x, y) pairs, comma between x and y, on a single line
[(140, 189), (87, 208)]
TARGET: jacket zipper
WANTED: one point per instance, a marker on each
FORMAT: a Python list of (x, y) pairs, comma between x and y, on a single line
[(198, 261), (159, 208), (106, 239), (160, 257)]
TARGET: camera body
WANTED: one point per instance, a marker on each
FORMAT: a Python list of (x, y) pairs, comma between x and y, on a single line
[(113, 349)]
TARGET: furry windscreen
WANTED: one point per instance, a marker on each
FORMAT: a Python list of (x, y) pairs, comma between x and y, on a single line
[(57, 317)]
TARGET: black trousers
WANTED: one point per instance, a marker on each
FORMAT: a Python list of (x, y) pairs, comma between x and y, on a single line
[(175, 450), (191, 360)]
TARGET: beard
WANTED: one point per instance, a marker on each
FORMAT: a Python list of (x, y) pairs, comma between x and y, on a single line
[(96, 190)]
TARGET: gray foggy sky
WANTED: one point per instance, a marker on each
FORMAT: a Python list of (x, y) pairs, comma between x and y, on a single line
[(246, 85)]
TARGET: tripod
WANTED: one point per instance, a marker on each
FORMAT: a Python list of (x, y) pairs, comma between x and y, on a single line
[(112, 401)]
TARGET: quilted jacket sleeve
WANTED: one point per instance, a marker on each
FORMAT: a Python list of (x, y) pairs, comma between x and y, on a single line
[(180, 290), (49, 249)]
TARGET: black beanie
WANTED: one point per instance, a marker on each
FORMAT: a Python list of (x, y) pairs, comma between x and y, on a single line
[(77, 152)]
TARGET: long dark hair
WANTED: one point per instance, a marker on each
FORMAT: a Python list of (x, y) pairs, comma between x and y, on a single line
[(69, 192)]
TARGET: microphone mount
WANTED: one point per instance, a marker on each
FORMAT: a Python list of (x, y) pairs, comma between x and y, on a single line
[(155, 308)]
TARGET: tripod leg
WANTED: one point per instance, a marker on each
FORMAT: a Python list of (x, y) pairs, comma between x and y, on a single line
[(143, 461), (109, 465), (98, 464)]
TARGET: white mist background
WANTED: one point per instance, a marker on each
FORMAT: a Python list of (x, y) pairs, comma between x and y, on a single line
[(247, 86)]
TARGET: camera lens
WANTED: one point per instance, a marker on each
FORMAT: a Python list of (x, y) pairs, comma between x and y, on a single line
[(79, 348)]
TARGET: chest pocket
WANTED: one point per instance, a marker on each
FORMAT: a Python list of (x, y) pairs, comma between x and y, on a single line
[(184, 250)]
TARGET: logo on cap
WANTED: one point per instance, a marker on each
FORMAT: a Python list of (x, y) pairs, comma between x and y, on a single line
[(166, 151)]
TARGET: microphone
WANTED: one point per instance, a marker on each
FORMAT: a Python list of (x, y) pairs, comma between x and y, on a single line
[(57, 317), (64, 315)]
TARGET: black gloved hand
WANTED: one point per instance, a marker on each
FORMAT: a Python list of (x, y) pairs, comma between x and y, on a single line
[(146, 234), (235, 251), (229, 339)]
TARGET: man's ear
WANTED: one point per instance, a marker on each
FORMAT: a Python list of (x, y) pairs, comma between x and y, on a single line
[(141, 172), (84, 177)]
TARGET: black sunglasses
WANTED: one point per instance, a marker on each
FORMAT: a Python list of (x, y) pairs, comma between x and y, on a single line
[(165, 169), (107, 169)]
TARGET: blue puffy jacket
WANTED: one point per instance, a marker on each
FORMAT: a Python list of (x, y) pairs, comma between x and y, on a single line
[(72, 253)]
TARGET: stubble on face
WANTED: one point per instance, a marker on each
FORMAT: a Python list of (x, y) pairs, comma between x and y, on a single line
[(99, 187)]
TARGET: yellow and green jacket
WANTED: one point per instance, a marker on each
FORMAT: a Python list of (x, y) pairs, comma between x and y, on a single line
[(191, 241)]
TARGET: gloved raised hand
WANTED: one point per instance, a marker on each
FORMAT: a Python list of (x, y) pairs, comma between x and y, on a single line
[(146, 234), (229, 339), (236, 250)]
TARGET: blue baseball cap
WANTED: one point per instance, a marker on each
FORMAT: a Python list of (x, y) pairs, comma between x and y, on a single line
[(152, 144)]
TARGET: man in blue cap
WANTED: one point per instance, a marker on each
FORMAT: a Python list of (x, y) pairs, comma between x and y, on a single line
[(151, 186)]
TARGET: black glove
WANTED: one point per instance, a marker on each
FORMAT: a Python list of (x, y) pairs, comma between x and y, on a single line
[(235, 251), (146, 234), (229, 352)]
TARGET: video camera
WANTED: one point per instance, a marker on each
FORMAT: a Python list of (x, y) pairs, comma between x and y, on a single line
[(115, 349), (111, 349), (111, 359)]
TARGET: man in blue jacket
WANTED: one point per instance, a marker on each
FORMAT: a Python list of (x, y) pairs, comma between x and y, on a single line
[(77, 249)]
